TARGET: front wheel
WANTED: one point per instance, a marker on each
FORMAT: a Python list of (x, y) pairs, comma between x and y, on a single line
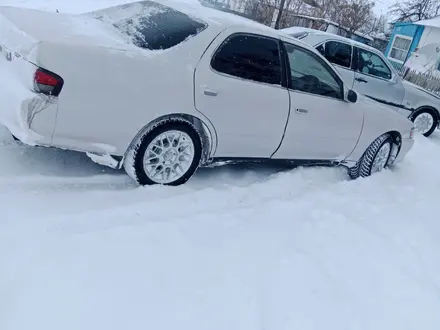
[(425, 122), (168, 155), (375, 158)]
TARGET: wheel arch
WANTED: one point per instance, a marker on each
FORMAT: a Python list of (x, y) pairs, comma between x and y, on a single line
[(208, 138), (355, 168), (397, 143), (426, 107), (396, 137)]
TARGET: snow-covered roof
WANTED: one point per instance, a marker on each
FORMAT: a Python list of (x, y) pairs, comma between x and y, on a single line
[(379, 35), (432, 22)]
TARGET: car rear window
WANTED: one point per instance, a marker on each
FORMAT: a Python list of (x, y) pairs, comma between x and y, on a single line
[(151, 25)]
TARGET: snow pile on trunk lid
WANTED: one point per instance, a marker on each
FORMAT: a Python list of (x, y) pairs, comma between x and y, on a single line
[(43, 26), (12, 38)]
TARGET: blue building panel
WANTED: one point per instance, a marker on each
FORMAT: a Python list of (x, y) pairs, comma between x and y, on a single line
[(408, 30)]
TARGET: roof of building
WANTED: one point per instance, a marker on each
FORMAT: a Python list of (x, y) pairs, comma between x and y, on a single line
[(432, 22)]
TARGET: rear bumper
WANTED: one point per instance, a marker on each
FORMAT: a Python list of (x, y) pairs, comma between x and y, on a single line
[(406, 146), (32, 120)]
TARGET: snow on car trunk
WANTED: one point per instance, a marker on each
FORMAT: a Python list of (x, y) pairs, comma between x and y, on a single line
[(28, 41), (42, 26)]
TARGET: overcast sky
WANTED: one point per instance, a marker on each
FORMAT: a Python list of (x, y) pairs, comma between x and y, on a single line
[(381, 6)]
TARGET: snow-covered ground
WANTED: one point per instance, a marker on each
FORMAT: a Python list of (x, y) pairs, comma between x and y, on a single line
[(242, 248)]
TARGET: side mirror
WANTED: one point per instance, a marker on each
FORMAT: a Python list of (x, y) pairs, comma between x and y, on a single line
[(352, 96)]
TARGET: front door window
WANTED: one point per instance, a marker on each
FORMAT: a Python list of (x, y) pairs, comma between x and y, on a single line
[(371, 64), (311, 74)]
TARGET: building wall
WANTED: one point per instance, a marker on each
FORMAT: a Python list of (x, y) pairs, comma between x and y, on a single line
[(430, 35), (407, 30)]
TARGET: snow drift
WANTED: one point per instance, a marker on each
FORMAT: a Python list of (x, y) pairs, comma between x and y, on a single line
[(236, 248)]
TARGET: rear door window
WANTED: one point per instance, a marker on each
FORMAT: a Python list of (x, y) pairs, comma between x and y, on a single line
[(337, 53), (151, 25), (249, 57)]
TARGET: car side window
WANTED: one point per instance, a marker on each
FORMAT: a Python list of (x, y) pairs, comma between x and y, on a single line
[(249, 57), (337, 53), (371, 64), (310, 74)]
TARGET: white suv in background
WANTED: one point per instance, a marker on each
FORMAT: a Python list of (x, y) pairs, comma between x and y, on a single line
[(366, 70)]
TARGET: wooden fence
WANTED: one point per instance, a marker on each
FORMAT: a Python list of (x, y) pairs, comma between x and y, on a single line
[(424, 80)]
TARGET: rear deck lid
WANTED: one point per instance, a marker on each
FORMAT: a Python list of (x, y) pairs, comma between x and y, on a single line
[(21, 29)]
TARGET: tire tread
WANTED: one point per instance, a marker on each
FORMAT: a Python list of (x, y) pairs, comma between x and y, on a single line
[(134, 172), (366, 162)]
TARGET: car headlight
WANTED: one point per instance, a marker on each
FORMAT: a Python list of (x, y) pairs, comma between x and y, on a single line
[(411, 132)]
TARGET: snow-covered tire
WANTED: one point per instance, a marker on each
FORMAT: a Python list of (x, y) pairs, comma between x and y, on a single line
[(425, 121), (375, 158), (169, 154)]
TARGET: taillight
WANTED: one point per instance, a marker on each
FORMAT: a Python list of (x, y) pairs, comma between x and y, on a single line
[(47, 82)]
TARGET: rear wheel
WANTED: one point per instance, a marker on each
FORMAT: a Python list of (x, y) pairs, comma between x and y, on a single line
[(425, 121), (375, 158), (167, 155)]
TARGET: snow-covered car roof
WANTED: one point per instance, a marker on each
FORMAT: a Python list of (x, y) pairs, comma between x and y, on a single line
[(211, 16), (328, 35), (38, 25)]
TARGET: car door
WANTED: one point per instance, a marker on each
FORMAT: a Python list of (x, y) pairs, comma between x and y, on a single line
[(374, 78), (322, 125), (238, 87), (340, 54)]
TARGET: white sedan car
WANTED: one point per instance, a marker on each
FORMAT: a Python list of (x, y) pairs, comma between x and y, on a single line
[(161, 88), (366, 70)]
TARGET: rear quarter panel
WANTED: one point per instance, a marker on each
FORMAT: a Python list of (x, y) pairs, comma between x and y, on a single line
[(415, 98), (109, 95)]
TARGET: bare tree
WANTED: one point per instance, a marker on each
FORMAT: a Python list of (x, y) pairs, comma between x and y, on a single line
[(280, 13), (327, 9), (415, 10), (378, 25), (350, 15), (354, 14), (295, 7)]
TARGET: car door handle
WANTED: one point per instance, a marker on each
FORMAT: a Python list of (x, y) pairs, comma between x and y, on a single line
[(302, 111), (210, 92), (361, 80)]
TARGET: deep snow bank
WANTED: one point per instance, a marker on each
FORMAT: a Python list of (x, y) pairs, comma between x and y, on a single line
[(234, 249)]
